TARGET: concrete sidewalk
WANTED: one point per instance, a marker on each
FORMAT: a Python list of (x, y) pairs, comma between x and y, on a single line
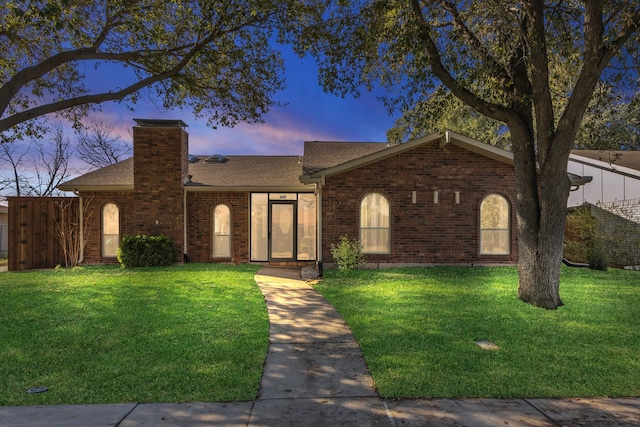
[(315, 375)]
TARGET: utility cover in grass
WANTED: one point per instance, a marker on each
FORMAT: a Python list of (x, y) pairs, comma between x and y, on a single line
[(487, 345)]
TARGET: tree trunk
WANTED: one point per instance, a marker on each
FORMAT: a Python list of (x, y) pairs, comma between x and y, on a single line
[(540, 251), (541, 213)]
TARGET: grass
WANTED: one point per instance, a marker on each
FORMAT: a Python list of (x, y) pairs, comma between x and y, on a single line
[(195, 332), (417, 329)]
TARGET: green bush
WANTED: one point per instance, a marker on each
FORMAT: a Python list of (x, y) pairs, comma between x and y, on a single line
[(347, 253), (579, 237), (598, 259), (147, 251)]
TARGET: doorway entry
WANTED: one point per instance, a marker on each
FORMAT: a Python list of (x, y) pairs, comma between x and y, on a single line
[(282, 230)]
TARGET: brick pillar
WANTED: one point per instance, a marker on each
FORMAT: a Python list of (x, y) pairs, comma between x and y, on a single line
[(160, 170)]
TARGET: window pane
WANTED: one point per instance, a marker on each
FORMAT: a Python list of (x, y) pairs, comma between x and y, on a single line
[(495, 242), (306, 227), (282, 196), (222, 224), (494, 225), (221, 232), (374, 224), (110, 230), (494, 212), (110, 243), (259, 227), (374, 211), (222, 246), (375, 240), (110, 223)]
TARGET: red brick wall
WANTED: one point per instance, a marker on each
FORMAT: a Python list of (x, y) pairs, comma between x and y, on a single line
[(155, 205), (200, 208), (443, 233), (160, 171), (93, 202)]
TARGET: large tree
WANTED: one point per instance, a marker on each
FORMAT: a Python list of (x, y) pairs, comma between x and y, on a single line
[(502, 59), (216, 57)]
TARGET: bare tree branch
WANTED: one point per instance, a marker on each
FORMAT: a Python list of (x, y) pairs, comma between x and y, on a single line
[(51, 166), (98, 147)]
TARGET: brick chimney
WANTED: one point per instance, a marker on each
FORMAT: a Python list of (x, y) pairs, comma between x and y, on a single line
[(160, 170)]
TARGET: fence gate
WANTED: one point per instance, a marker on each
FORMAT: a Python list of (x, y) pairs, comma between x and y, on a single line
[(33, 241)]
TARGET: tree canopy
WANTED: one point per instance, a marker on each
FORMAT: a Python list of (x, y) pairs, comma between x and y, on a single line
[(215, 57), (612, 121), (441, 110)]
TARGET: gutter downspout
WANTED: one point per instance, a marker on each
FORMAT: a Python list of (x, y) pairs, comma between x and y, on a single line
[(81, 232), (184, 225), (319, 227)]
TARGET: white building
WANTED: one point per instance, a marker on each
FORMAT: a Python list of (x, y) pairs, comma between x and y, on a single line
[(616, 177)]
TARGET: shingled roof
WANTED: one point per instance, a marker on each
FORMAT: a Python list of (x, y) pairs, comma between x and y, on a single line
[(319, 155), (118, 176), (234, 173), (627, 159), (247, 172), (268, 173)]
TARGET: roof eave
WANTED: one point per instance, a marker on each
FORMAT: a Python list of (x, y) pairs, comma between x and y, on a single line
[(447, 137), (599, 164), (78, 188), (372, 158), (249, 188), (475, 146)]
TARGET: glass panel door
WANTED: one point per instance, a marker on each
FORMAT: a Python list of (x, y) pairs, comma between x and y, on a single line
[(283, 231)]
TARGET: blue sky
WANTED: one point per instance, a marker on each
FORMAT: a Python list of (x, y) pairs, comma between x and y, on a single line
[(310, 114)]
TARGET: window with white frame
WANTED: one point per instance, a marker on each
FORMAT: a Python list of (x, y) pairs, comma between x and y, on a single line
[(374, 224), (495, 230), (110, 230), (221, 232)]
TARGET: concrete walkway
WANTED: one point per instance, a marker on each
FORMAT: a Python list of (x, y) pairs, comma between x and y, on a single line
[(315, 375)]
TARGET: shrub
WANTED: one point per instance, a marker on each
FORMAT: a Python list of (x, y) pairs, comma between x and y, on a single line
[(598, 257), (579, 235), (147, 251), (347, 253)]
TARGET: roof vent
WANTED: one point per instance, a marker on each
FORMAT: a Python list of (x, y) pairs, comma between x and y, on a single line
[(217, 158)]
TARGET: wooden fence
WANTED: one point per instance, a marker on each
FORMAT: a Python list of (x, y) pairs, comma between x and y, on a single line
[(33, 240)]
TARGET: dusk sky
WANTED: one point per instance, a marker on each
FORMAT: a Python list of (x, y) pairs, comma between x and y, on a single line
[(310, 114)]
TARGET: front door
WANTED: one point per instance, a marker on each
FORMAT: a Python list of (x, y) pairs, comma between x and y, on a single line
[(282, 230)]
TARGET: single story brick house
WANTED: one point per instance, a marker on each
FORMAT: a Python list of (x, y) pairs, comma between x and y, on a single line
[(443, 199)]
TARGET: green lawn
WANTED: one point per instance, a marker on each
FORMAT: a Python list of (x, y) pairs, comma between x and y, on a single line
[(195, 332), (417, 328)]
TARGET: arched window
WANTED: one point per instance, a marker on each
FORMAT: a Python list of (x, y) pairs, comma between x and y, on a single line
[(495, 233), (374, 224), (110, 230), (221, 232)]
